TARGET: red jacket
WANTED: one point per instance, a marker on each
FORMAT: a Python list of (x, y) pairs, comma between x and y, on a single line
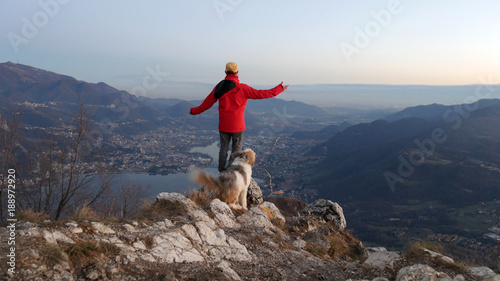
[(232, 97)]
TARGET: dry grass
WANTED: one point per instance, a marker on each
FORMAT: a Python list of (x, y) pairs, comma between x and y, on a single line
[(148, 242), (51, 255), (416, 253), (415, 250), (85, 213), (201, 197), (29, 215), (316, 250), (338, 247), (160, 210), (85, 252)]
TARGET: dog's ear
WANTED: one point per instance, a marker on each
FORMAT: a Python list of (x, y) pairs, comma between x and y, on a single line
[(239, 154), (250, 157)]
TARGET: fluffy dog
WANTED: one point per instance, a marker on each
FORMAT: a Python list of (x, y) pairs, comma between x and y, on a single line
[(231, 186)]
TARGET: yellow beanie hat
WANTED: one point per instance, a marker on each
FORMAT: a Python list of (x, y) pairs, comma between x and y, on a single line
[(232, 66)]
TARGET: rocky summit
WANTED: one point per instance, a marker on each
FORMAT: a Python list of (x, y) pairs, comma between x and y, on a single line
[(177, 239)]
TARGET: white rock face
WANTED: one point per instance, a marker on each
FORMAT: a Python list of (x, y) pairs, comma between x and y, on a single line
[(173, 247), (262, 217), (223, 215)]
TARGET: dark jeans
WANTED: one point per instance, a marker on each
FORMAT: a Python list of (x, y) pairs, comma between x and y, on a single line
[(237, 139)]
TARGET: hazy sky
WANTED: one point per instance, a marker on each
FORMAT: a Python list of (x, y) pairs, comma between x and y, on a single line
[(187, 43)]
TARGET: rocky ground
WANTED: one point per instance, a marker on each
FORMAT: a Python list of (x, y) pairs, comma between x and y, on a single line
[(176, 239)]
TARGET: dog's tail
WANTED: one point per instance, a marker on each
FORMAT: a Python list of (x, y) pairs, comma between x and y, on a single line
[(207, 181)]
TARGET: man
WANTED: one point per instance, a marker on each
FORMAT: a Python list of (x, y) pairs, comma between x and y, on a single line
[(232, 96)]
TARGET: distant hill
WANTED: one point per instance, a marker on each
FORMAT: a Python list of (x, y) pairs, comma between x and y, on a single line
[(435, 111), (292, 108), (50, 99), (323, 134)]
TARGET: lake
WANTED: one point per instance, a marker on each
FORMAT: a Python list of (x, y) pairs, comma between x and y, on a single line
[(181, 182)]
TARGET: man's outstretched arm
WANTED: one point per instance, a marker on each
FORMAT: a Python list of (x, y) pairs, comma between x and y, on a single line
[(206, 104), (252, 93)]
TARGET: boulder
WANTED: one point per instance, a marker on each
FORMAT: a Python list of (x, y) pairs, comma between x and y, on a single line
[(254, 194), (494, 278), (382, 259), (481, 272), (328, 211), (419, 272)]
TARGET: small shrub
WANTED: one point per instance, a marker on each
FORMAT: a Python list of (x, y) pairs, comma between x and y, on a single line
[(148, 242), (85, 252), (82, 250), (85, 213), (338, 246), (416, 251), (52, 224), (29, 215), (109, 249), (51, 255), (316, 249)]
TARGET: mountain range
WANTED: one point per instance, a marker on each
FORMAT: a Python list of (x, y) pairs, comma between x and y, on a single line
[(48, 99), (425, 162)]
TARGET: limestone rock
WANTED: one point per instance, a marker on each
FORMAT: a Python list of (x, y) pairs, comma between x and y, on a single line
[(228, 271), (173, 247), (60, 237), (223, 214), (262, 217), (481, 272), (494, 278), (74, 228), (49, 237), (439, 256), (254, 194), (102, 228), (419, 272), (382, 259), (328, 211), (191, 233), (56, 236), (191, 208)]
